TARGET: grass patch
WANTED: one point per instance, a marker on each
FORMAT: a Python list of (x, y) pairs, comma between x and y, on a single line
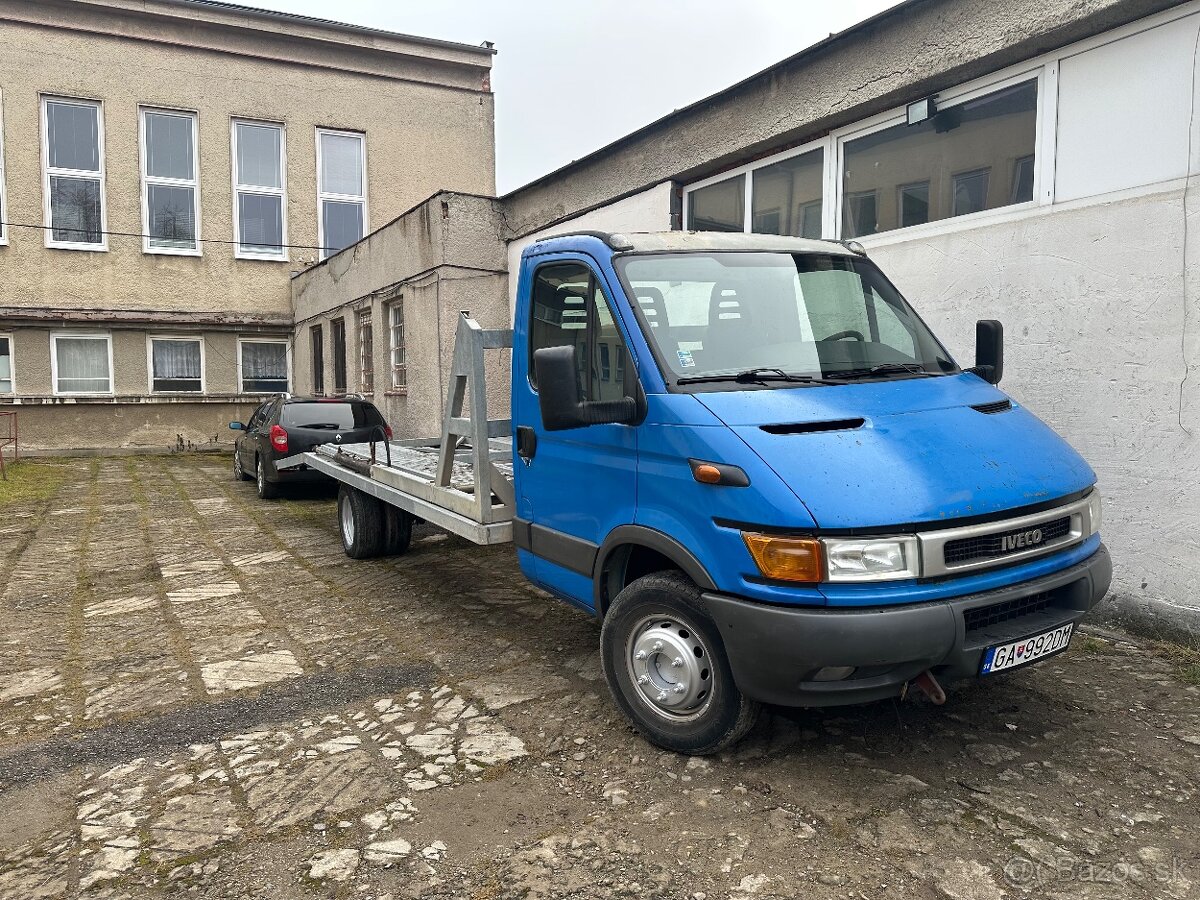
[(1185, 660), (30, 480)]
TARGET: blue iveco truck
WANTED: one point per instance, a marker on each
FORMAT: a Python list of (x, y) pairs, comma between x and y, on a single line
[(751, 459)]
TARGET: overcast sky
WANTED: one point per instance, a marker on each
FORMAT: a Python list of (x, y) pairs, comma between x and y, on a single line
[(572, 75)]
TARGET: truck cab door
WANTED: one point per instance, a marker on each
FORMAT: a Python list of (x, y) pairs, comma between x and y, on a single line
[(573, 486)]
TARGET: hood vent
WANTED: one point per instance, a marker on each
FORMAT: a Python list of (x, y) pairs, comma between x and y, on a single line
[(811, 427), (990, 409)]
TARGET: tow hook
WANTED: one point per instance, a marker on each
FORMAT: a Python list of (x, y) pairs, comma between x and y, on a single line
[(929, 685)]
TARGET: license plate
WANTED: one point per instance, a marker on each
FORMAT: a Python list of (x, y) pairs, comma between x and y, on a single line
[(1018, 653)]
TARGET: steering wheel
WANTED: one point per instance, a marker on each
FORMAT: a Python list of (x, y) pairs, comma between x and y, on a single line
[(842, 335)]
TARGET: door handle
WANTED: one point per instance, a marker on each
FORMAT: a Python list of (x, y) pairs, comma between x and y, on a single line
[(526, 443)]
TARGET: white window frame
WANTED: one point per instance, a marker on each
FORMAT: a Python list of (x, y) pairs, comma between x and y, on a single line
[(4, 214), (199, 339), (147, 180), (262, 340), (91, 335), (366, 355), (323, 195), (101, 247), (281, 191), (12, 363)]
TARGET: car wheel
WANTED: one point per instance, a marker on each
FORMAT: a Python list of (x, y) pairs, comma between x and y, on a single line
[(666, 667), (239, 474), (266, 490), (361, 523)]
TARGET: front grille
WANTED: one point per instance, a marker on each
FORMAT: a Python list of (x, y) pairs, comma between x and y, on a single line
[(986, 616), (991, 546)]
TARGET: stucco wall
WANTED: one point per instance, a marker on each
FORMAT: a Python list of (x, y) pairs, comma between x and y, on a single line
[(1093, 302), (420, 137), (130, 426), (442, 257)]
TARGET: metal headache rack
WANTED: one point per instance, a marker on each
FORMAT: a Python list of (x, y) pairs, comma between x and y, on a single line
[(461, 481)]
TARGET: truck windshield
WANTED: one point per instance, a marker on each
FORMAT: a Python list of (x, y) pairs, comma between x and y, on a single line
[(777, 316)]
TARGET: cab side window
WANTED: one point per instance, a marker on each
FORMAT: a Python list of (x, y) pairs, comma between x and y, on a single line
[(570, 309)]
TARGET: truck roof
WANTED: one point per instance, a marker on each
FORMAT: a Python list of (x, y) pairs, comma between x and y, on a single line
[(685, 241)]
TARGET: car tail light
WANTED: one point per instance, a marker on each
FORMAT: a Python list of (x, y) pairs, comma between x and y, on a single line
[(279, 438), (387, 430)]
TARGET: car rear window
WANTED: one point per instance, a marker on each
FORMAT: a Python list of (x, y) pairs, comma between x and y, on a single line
[(330, 415)]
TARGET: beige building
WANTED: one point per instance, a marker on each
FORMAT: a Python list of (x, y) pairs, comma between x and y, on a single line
[(166, 167)]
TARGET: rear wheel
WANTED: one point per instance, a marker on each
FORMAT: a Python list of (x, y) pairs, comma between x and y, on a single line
[(362, 523), (666, 667), (266, 489), (399, 526)]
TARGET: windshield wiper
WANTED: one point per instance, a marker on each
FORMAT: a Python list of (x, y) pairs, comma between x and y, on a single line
[(327, 425), (884, 369), (751, 376)]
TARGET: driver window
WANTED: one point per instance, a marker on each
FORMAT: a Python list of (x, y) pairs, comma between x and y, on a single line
[(570, 309)]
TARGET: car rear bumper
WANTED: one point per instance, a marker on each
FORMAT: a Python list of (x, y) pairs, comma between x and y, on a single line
[(776, 651)]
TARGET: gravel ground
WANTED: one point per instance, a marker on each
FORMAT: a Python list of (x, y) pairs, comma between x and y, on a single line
[(200, 696)]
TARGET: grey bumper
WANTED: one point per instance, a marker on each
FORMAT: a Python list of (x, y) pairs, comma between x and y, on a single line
[(775, 651)]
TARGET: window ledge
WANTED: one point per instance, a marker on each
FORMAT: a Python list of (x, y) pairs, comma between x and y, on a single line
[(113, 399)]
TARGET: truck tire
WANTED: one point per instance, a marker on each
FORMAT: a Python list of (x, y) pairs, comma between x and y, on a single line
[(398, 526), (266, 490), (361, 523), (666, 667)]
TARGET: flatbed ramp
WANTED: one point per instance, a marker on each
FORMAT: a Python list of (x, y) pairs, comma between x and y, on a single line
[(462, 481)]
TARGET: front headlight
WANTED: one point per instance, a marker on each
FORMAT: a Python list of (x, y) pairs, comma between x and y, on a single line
[(1094, 510), (871, 559)]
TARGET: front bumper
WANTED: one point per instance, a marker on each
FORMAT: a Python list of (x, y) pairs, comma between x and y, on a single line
[(775, 651)]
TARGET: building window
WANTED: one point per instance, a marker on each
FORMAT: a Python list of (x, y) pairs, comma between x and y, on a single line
[(914, 203), (787, 196), (176, 365), (73, 171), (953, 151), (260, 189), (317, 336), (6, 364), (970, 192), (862, 213), (718, 207), (1022, 181), (396, 327), (170, 193), (81, 363), (337, 331), (263, 366), (341, 189), (366, 352)]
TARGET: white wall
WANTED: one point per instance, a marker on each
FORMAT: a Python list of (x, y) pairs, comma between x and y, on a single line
[(649, 210), (1124, 111)]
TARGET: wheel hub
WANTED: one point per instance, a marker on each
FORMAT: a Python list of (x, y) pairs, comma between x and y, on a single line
[(669, 666), (347, 523)]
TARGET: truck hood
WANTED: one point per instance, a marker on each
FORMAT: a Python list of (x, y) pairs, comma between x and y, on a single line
[(890, 453)]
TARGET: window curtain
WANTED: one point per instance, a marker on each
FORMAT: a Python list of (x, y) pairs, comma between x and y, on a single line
[(176, 359), (82, 365), (264, 361)]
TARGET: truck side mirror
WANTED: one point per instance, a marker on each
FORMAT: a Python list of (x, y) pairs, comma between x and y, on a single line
[(558, 394), (989, 350)]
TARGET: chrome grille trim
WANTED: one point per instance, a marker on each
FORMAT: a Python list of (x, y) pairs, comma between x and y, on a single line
[(933, 543)]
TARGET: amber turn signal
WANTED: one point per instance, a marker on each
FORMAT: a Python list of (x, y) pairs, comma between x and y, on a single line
[(785, 558), (707, 474)]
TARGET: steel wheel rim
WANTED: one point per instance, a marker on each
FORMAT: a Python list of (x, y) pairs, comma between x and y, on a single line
[(237, 464), (347, 518), (670, 667), (262, 477)]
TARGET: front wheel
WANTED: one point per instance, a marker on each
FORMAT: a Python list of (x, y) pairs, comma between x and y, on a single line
[(239, 473), (666, 667)]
